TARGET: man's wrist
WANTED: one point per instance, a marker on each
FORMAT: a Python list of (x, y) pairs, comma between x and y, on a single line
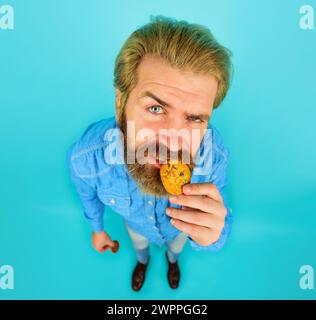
[(97, 226), (98, 232)]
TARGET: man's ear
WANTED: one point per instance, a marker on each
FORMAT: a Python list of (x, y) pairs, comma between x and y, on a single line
[(118, 95)]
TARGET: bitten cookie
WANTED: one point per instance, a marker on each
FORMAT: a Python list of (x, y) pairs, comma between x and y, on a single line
[(174, 175)]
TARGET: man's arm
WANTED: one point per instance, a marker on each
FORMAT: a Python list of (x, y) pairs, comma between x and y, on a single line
[(93, 207)]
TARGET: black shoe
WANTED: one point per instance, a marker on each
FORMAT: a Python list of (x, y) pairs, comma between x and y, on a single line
[(138, 276), (173, 274)]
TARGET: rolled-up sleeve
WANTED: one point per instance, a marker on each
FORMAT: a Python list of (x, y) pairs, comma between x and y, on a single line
[(92, 206)]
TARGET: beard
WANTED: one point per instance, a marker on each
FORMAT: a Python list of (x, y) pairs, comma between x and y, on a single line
[(147, 176)]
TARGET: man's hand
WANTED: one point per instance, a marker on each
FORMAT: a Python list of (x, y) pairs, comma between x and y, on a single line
[(202, 215), (101, 241)]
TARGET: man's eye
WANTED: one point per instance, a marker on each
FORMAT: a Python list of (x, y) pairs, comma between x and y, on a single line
[(155, 109), (195, 119)]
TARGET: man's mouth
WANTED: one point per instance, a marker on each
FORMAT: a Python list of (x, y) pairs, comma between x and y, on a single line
[(158, 159)]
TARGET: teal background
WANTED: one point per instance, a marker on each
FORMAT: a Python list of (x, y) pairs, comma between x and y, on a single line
[(56, 72)]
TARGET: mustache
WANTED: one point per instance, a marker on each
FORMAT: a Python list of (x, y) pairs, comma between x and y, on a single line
[(162, 153)]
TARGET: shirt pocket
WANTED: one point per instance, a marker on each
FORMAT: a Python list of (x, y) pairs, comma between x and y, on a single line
[(118, 203)]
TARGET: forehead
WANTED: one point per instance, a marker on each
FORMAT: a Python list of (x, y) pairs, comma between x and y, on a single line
[(182, 86)]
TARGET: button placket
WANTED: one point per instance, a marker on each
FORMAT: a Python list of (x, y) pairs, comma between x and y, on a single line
[(151, 215)]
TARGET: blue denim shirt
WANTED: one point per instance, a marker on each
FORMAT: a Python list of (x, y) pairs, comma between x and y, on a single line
[(99, 183)]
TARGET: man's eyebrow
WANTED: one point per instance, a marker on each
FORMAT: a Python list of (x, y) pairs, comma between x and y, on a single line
[(153, 96)]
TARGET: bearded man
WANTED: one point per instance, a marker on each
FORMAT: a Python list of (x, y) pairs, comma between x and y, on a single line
[(169, 77)]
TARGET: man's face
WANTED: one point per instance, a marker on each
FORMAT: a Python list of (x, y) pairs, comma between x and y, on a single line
[(166, 98)]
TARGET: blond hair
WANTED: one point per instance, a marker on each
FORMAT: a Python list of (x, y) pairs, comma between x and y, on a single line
[(184, 45)]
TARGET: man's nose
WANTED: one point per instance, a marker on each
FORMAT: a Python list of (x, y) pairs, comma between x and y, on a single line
[(175, 135)]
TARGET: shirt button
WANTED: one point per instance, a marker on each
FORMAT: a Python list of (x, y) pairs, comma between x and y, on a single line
[(150, 202), (151, 217), (112, 201)]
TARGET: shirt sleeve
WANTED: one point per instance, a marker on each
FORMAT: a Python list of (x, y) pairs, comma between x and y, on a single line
[(93, 208), (219, 178)]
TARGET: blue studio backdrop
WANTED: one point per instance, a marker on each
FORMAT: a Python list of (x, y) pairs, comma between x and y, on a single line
[(56, 75)]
